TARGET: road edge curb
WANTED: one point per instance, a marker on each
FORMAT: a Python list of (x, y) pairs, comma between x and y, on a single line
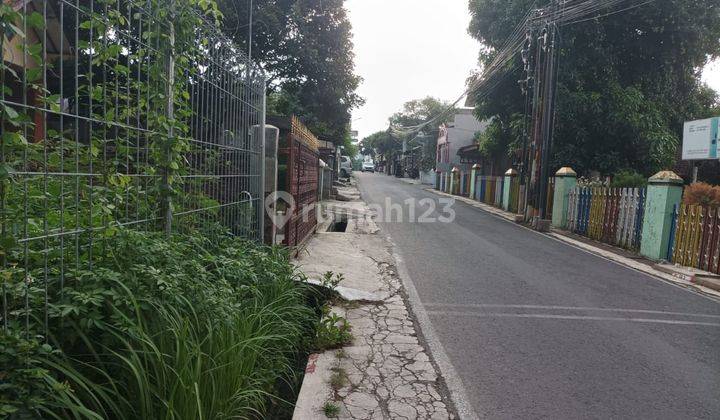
[(452, 380)]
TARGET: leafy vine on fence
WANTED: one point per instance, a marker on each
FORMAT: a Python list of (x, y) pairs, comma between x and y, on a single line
[(96, 143), (120, 133)]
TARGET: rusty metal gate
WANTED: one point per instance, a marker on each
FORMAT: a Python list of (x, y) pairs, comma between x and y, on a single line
[(299, 160)]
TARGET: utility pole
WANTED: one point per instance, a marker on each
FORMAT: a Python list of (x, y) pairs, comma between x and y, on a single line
[(527, 86), (536, 109), (548, 117), (544, 83)]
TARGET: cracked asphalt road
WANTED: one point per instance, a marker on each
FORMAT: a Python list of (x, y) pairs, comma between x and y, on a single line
[(538, 329)]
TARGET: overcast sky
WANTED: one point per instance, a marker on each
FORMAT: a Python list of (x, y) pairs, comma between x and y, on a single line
[(409, 49)]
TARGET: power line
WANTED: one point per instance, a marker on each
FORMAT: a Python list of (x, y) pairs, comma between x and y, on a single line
[(610, 13), (570, 12), (512, 46)]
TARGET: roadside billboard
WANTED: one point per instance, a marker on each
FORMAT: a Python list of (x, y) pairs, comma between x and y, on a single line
[(700, 139)]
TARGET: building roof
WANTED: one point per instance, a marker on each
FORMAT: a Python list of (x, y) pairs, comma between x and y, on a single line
[(470, 153), (472, 148), (57, 41)]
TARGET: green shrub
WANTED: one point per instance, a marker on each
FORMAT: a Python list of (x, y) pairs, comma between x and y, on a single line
[(198, 326), (28, 386), (701, 194), (628, 179)]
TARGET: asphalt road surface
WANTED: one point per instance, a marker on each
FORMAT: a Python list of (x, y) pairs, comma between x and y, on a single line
[(536, 328)]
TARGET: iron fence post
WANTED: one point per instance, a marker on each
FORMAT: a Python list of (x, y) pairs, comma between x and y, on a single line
[(169, 114), (673, 229), (261, 203)]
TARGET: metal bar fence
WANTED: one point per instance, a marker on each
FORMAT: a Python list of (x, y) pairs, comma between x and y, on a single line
[(549, 201), (499, 183), (481, 188), (696, 238), (514, 194), (673, 233), (116, 116), (455, 183), (489, 190), (611, 215)]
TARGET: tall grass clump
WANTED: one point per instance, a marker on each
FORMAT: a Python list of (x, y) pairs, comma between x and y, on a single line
[(194, 327)]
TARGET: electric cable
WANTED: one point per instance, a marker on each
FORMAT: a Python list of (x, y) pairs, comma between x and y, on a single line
[(570, 12)]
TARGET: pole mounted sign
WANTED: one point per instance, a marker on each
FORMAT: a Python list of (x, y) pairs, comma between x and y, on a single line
[(700, 139)]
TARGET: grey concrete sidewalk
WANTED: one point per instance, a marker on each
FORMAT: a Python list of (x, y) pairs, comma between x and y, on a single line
[(386, 373)]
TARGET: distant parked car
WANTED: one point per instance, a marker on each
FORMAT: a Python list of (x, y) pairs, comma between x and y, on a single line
[(345, 167), (367, 167)]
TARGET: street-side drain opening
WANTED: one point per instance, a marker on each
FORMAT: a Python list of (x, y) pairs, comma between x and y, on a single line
[(339, 225)]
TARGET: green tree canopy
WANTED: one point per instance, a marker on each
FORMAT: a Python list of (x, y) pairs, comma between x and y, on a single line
[(417, 112), (626, 83), (306, 49), (381, 143), (421, 111), (350, 149)]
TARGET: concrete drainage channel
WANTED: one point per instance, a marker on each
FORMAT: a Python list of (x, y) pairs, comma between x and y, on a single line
[(384, 371), (339, 225)]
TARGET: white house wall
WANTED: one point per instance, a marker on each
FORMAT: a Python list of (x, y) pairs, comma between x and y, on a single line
[(461, 133)]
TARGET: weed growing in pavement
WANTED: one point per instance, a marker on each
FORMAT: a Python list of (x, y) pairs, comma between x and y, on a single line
[(331, 410), (333, 330), (331, 280), (339, 378), (340, 354)]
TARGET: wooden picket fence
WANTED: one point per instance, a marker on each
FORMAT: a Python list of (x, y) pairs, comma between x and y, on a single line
[(611, 215), (695, 241)]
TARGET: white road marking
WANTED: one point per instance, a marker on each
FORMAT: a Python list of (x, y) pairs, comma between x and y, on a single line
[(568, 308), (569, 317)]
